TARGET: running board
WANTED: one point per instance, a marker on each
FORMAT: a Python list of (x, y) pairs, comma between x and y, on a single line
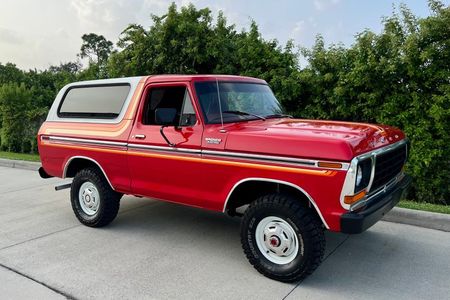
[(63, 186)]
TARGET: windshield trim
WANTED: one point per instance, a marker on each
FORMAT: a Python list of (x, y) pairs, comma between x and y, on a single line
[(249, 118)]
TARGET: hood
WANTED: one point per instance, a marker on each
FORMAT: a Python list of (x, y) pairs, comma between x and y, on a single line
[(328, 140)]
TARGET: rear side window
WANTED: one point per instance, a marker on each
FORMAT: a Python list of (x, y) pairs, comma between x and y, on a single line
[(100, 101)]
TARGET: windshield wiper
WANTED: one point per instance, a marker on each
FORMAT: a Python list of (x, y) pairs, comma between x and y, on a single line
[(278, 116), (243, 113)]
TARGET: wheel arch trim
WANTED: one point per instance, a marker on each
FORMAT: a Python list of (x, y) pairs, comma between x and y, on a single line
[(67, 164), (308, 196)]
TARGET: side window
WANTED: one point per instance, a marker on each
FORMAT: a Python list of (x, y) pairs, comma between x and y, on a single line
[(174, 97), (96, 101)]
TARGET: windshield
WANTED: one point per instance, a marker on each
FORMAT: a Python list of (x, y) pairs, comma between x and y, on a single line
[(239, 101)]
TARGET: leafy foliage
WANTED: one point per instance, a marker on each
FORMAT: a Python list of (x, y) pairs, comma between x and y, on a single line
[(399, 77), (25, 98), (97, 48), (14, 100)]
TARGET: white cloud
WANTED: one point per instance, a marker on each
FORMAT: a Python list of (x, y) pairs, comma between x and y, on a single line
[(324, 4), (304, 31), (110, 17), (10, 36), (299, 29), (104, 17)]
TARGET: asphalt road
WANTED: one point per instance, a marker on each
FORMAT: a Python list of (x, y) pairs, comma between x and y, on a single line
[(157, 250)]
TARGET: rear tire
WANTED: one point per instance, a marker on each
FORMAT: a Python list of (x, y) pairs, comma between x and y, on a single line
[(94, 202), (282, 239)]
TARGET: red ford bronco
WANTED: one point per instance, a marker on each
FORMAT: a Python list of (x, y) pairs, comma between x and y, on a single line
[(223, 143)]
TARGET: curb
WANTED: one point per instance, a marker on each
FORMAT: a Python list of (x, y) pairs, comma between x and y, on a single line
[(419, 218), (20, 164)]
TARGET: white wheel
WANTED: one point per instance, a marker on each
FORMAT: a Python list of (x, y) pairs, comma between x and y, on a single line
[(89, 198), (277, 240)]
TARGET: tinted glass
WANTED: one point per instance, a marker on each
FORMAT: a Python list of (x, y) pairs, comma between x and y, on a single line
[(250, 98), (94, 101), (164, 97)]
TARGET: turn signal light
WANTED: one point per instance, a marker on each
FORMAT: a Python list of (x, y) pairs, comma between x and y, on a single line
[(330, 165), (354, 198)]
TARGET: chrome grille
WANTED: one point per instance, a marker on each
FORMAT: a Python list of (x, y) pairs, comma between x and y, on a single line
[(388, 165)]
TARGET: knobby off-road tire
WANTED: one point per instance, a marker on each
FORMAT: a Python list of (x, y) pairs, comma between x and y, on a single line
[(290, 234), (94, 202)]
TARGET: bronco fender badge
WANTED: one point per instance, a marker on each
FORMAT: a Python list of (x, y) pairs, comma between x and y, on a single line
[(213, 141)]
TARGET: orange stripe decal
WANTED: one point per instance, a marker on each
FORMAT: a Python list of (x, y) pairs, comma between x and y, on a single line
[(203, 160)]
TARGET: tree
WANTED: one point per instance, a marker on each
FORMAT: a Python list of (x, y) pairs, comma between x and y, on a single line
[(187, 41), (69, 68), (14, 102), (97, 49), (10, 73)]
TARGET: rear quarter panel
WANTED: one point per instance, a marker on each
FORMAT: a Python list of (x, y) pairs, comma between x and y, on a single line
[(56, 154)]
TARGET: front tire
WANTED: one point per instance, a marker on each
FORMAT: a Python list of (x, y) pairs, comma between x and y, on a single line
[(94, 202), (282, 239)]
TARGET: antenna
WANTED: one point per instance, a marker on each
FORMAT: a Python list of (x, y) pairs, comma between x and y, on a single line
[(220, 106)]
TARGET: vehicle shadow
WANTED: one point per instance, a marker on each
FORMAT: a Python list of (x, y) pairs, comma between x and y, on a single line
[(389, 257), (156, 218), (183, 224)]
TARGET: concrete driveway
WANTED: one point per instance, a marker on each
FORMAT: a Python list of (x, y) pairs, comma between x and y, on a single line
[(157, 250)]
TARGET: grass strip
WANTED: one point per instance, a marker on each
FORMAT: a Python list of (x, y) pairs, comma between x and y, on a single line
[(19, 156), (438, 208)]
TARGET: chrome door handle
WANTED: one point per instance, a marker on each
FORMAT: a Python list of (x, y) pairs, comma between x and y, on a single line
[(139, 136)]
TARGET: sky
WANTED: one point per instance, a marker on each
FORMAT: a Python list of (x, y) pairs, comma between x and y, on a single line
[(38, 34)]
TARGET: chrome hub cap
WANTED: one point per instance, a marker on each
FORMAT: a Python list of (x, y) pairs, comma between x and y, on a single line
[(277, 240), (89, 198)]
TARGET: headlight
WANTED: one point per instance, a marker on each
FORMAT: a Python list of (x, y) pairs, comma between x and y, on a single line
[(363, 173), (359, 176)]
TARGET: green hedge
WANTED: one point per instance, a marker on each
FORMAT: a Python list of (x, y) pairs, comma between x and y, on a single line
[(400, 77)]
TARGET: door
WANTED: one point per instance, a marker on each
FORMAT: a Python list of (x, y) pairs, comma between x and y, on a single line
[(164, 160)]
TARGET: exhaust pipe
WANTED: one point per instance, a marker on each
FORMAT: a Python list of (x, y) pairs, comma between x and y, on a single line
[(63, 186)]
